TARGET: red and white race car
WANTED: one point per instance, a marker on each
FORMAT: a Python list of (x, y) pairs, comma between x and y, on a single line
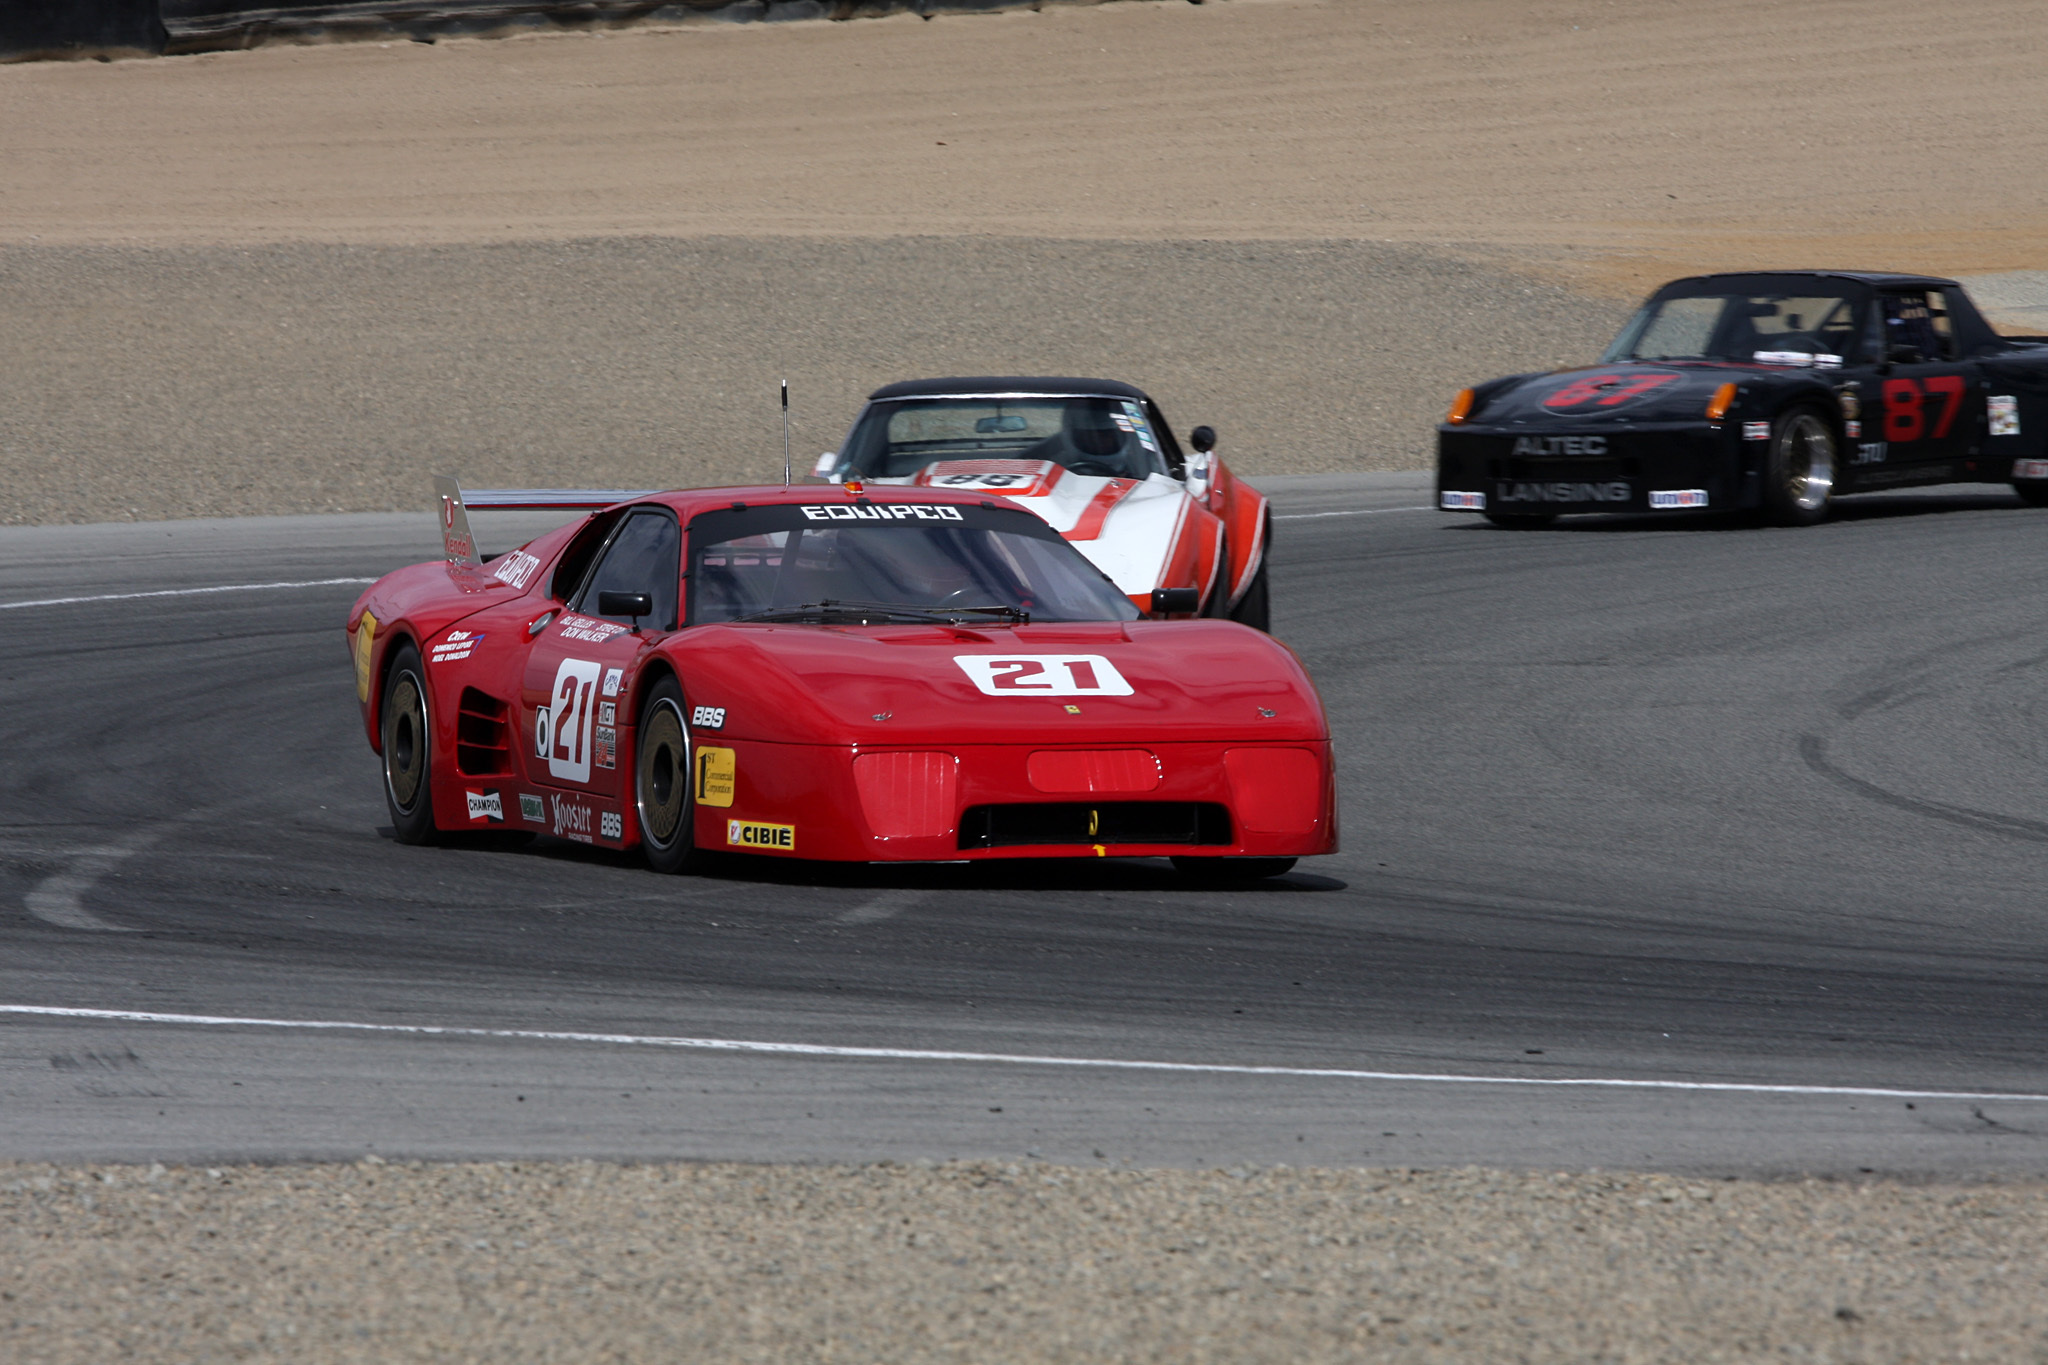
[(891, 674), (1097, 461)]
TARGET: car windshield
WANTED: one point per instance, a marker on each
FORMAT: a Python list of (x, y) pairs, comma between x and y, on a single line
[(870, 562), (1112, 437), (1785, 328)]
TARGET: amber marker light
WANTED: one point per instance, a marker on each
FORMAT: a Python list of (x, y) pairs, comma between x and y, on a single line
[(1724, 399), (1461, 406)]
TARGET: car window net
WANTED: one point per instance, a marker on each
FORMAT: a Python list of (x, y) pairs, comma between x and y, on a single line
[(1100, 436), (643, 557), (922, 566)]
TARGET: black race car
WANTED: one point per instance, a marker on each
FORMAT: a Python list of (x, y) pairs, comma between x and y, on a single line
[(1773, 391)]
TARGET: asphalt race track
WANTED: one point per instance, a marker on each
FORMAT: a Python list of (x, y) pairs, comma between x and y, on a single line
[(1693, 803)]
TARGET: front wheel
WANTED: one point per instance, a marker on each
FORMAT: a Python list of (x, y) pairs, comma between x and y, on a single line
[(1520, 521), (408, 743), (1799, 477), (2032, 492), (661, 781), (1232, 871)]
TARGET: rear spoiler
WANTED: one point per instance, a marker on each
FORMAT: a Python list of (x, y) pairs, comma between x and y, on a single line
[(460, 545)]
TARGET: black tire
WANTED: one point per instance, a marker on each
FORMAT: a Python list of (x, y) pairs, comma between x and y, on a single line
[(665, 806), (406, 731), (1799, 471), (1255, 608), (1232, 871), (2033, 492), (1520, 521)]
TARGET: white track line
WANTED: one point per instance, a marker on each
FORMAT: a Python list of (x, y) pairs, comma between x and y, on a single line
[(182, 592), (999, 1058), (1355, 512)]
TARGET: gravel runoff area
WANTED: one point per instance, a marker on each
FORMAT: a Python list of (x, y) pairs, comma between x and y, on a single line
[(986, 1262), (144, 383)]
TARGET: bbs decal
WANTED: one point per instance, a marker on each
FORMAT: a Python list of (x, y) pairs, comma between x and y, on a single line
[(708, 717)]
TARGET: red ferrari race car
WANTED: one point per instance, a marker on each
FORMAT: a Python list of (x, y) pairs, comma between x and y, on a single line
[(1096, 460), (915, 674)]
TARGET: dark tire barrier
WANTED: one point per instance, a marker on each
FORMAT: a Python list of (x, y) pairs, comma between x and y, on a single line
[(79, 28)]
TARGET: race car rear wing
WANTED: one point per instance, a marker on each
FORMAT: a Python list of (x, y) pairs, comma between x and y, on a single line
[(460, 544)]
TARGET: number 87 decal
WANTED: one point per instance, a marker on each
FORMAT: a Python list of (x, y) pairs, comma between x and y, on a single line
[(1905, 406), (1043, 675)]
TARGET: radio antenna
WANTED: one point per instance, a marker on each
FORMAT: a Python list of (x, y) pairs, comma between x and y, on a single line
[(785, 433)]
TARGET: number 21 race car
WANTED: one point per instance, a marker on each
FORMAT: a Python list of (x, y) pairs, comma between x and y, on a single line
[(830, 673), (1772, 392)]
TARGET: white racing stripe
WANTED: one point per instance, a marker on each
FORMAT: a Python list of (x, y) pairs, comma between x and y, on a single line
[(183, 592), (999, 1058), (1354, 512)]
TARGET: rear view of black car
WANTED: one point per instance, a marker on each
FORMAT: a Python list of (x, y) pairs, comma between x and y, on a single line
[(1772, 392)]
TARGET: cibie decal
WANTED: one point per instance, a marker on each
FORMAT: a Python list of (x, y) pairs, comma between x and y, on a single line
[(1606, 390), (515, 569), (563, 733), (457, 646), (708, 717), (572, 819), (486, 806), (717, 771), (1463, 502), (2030, 469), (1678, 497), (1756, 431), (750, 834), (1043, 675), (891, 511), (532, 808)]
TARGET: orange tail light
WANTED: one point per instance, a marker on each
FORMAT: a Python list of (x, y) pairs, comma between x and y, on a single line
[(1724, 399), (1460, 407)]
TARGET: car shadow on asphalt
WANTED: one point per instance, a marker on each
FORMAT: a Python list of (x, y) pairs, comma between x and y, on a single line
[(1850, 508)]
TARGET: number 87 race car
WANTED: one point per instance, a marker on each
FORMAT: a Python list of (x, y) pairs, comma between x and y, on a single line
[(903, 674)]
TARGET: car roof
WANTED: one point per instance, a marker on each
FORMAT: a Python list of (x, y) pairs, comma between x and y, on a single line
[(1873, 278), (1007, 386)]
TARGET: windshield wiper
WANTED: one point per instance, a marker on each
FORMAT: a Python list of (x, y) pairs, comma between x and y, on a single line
[(1016, 614)]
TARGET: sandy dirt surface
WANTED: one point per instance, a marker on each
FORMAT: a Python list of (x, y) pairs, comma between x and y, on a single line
[(979, 1262), (1641, 131)]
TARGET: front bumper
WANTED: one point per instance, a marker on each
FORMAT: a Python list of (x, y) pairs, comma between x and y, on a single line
[(1643, 468)]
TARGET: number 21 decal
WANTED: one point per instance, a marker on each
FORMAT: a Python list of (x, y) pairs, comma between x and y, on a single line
[(1043, 675), (569, 713)]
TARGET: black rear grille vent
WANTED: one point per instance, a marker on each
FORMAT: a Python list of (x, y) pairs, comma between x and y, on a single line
[(483, 742), (1104, 822), (1566, 468)]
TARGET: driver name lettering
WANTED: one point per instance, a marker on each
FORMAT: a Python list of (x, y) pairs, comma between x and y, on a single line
[(589, 629), (897, 511), (1560, 445), (1043, 675)]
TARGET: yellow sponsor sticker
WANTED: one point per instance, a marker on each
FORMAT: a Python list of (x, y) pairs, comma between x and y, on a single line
[(366, 634), (749, 834), (717, 770)]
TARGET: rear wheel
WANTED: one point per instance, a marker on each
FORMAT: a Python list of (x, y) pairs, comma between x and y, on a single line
[(1255, 608), (1799, 476), (2032, 492), (1232, 871), (408, 743), (1521, 521), (661, 781)]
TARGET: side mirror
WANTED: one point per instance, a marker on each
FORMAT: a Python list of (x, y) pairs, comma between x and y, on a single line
[(827, 462), (630, 604), (1203, 439), (1176, 601)]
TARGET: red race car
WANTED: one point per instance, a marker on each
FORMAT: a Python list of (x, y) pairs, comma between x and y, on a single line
[(899, 674)]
